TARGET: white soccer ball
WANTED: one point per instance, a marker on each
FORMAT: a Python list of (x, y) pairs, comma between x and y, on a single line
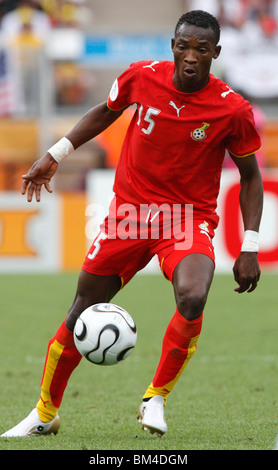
[(105, 334)]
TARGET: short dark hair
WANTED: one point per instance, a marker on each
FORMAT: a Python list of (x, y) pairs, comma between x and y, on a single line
[(201, 19)]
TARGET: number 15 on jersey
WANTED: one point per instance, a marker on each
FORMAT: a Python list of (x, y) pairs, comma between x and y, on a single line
[(147, 118)]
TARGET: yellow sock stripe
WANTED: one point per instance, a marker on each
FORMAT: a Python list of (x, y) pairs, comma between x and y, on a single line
[(191, 350), (164, 391), (47, 411)]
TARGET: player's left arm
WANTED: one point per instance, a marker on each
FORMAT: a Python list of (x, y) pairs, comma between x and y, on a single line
[(246, 268)]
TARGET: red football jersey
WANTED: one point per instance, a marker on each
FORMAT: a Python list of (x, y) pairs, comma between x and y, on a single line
[(175, 144)]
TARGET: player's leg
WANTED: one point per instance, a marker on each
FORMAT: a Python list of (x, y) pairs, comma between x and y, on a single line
[(191, 280), (62, 356)]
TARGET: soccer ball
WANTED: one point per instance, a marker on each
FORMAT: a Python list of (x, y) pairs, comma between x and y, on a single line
[(105, 334)]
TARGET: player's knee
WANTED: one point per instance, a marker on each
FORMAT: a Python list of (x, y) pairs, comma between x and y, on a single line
[(191, 301)]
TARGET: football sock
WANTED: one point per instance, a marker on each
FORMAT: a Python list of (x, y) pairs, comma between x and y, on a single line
[(179, 345), (61, 359)]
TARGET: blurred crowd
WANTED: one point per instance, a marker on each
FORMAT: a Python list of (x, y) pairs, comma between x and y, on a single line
[(40, 16), (260, 15), (25, 27)]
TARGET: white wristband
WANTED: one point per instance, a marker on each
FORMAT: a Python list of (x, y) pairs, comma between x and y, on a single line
[(250, 241), (62, 149)]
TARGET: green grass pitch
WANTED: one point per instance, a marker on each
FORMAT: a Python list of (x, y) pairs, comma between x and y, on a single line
[(225, 400)]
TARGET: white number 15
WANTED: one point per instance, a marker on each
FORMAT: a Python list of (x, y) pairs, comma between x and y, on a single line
[(150, 112)]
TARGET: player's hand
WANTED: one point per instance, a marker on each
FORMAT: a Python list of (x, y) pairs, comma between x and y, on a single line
[(39, 175), (246, 271)]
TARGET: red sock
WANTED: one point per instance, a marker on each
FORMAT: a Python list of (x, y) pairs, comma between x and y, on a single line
[(179, 345), (61, 359)]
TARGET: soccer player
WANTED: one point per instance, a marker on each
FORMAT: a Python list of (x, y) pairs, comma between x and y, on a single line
[(184, 122)]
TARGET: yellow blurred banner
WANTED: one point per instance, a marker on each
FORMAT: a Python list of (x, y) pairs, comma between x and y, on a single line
[(42, 237), (73, 230)]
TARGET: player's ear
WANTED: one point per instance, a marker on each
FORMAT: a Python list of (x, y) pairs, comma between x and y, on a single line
[(173, 40), (217, 52)]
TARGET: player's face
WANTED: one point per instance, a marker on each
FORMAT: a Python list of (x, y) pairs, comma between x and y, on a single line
[(193, 49)]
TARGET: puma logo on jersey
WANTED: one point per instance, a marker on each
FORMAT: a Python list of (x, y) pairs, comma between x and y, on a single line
[(171, 103), (227, 92), (150, 66)]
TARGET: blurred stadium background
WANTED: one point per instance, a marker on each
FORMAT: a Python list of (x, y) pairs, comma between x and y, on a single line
[(58, 58)]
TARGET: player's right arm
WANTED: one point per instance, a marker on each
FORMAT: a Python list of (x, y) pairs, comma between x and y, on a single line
[(90, 125)]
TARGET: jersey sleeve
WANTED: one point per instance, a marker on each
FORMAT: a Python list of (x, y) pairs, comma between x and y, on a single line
[(123, 89), (244, 138)]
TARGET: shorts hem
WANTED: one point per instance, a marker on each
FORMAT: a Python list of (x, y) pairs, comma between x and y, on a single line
[(168, 270)]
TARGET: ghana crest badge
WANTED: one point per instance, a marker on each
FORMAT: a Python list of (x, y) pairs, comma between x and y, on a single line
[(199, 133)]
